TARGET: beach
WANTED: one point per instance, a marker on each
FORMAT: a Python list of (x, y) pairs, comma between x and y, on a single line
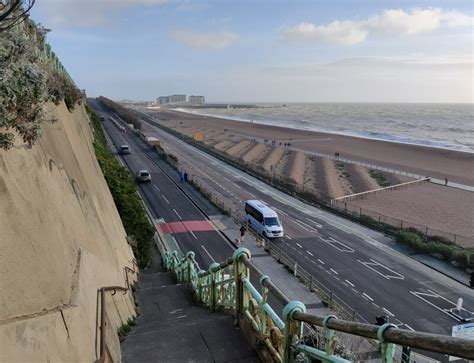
[(451, 209)]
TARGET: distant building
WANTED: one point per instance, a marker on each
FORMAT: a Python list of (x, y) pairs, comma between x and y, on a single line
[(197, 100), (163, 100)]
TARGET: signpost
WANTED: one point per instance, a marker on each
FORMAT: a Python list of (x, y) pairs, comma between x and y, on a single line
[(465, 331)]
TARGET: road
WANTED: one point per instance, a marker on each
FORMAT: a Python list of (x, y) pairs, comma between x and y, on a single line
[(353, 261)]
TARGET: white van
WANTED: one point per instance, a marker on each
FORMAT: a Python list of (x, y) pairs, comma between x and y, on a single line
[(263, 219)]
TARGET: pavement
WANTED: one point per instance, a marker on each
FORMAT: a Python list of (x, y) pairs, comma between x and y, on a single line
[(171, 327)]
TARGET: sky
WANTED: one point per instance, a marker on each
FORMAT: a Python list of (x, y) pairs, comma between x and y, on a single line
[(266, 50)]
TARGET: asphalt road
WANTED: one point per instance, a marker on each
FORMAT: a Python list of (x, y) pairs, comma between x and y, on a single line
[(356, 263)]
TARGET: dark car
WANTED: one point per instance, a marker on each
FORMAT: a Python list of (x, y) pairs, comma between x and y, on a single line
[(124, 149)]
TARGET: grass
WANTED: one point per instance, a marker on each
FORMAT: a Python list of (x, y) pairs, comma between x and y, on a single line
[(125, 195), (379, 178)]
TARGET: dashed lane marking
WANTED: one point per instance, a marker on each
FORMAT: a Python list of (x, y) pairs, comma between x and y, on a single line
[(166, 200), (350, 283), (321, 261), (289, 237), (388, 312), (174, 210), (154, 186), (367, 296), (337, 273), (205, 250), (299, 245), (309, 253)]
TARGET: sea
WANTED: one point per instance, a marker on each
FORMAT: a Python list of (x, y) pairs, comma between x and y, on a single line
[(449, 126)]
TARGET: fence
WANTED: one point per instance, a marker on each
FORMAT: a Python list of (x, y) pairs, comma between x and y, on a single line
[(227, 286), (379, 219)]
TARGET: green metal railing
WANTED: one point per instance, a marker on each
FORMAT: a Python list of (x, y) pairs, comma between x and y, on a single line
[(227, 286)]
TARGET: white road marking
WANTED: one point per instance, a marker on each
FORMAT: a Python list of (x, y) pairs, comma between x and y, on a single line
[(321, 261), (438, 296), (280, 211), (193, 234), (314, 262), (226, 179), (204, 248), (238, 186), (367, 296), (154, 185), (337, 245), (307, 230), (350, 283), (287, 236), (337, 273), (388, 312), (373, 264), (174, 210), (311, 228), (299, 245), (309, 253), (166, 200), (317, 224), (409, 327)]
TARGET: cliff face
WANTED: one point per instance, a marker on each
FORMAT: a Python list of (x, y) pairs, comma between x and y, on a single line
[(61, 239)]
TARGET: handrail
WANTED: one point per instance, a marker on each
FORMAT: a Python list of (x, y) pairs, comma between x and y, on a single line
[(227, 284), (102, 291)]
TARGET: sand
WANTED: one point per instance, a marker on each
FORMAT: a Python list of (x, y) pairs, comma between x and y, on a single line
[(275, 155), (297, 167), (254, 153), (435, 206), (457, 166)]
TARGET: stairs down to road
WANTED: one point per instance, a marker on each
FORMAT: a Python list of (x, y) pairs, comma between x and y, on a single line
[(171, 327)]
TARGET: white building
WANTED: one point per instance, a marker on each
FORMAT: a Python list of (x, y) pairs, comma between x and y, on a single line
[(197, 100)]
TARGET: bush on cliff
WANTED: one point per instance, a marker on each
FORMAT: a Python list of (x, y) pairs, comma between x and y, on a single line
[(124, 192)]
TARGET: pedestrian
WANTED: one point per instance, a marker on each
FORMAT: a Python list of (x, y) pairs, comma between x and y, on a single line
[(446, 181), (242, 233)]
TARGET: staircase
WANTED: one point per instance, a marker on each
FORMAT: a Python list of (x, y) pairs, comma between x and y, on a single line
[(171, 327)]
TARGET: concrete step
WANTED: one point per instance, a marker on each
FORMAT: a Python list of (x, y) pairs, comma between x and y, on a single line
[(210, 340)]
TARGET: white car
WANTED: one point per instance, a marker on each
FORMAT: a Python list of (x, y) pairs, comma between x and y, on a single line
[(143, 176)]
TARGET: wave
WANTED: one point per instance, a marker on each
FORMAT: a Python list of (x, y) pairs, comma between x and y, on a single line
[(307, 125)]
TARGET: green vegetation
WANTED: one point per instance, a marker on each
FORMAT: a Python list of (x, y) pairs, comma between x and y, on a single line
[(127, 115), (379, 178), (126, 328), (125, 194), (437, 248), (30, 76)]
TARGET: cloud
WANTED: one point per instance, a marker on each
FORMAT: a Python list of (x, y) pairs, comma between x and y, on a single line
[(87, 13), (208, 40), (391, 21)]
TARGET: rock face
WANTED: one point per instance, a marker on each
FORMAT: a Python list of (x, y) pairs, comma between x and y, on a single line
[(61, 240)]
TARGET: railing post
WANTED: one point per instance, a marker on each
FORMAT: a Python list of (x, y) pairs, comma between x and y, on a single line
[(212, 271), (240, 270), (329, 335), (263, 320), (386, 349), (190, 263), (293, 328), (201, 276)]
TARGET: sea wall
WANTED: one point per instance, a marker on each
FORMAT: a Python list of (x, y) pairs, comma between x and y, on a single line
[(61, 240)]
